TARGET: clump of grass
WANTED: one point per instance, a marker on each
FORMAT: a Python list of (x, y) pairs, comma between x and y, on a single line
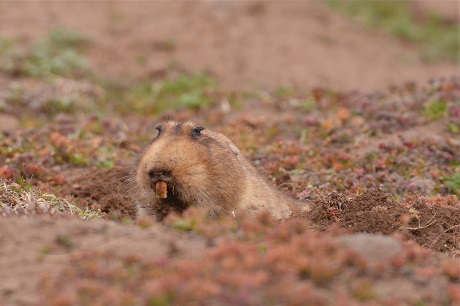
[(59, 53), (192, 91), (16, 200), (439, 40), (67, 39)]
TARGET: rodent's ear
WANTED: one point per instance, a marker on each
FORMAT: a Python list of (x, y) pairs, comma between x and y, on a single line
[(197, 131), (233, 148), (159, 128)]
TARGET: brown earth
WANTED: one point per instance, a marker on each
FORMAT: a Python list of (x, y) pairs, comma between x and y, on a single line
[(109, 195), (436, 227), (243, 43)]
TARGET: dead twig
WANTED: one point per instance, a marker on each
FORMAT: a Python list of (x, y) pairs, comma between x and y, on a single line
[(439, 236), (429, 223)]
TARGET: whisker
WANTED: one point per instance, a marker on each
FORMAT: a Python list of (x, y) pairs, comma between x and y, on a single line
[(122, 178)]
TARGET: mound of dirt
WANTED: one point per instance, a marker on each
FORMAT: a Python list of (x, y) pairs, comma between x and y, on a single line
[(371, 212), (107, 191), (435, 227)]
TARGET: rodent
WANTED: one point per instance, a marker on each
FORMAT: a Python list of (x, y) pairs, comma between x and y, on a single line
[(186, 164)]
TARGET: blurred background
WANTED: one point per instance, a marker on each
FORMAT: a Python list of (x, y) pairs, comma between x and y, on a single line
[(341, 45), (169, 59), (328, 99)]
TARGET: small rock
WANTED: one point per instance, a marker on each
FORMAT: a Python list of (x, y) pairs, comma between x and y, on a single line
[(424, 186), (372, 247)]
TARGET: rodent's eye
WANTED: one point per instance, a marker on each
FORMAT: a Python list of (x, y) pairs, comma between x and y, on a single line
[(197, 131)]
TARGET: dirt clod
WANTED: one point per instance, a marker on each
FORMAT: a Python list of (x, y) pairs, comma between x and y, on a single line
[(104, 190), (436, 227)]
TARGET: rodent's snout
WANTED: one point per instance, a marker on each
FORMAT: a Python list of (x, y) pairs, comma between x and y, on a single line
[(159, 181), (156, 176)]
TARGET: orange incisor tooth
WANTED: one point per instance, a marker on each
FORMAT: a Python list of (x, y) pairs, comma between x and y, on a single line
[(161, 189)]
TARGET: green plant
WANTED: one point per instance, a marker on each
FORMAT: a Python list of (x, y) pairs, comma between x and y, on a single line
[(309, 104), (78, 159), (284, 91), (439, 40), (58, 53), (436, 109), (184, 225), (453, 128), (187, 91), (55, 55), (184, 92), (66, 39), (453, 183)]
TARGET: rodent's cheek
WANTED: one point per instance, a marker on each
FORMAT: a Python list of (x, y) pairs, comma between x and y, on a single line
[(194, 176)]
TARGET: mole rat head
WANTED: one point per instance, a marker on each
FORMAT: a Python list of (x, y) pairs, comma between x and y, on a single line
[(179, 167)]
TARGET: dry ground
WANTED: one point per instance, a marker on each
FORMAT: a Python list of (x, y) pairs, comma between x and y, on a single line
[(242, 43), (378, 168)]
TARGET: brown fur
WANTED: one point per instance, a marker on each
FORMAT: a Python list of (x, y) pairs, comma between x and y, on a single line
[(205, 169)]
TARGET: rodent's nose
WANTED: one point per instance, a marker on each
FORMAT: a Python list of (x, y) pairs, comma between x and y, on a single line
[(156, 176)]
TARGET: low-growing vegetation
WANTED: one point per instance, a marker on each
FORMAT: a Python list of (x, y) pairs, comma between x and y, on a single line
[(57, 54), (180, 92), (17, 200)]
